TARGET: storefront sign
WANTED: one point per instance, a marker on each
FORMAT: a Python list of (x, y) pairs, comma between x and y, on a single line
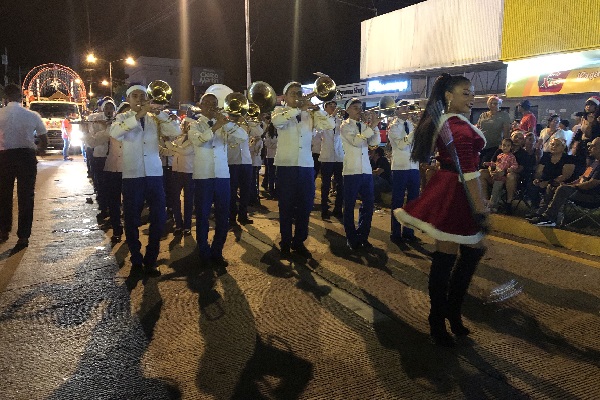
[(376, 86), (571, 76), (207, 76), (352, 90)]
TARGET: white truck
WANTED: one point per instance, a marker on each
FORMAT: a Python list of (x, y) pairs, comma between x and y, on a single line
[(53, 113)]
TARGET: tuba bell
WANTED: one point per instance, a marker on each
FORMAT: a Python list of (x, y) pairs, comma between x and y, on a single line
[(159, 92), (386, 107), (253, 113), (236, 104), (263, 95)]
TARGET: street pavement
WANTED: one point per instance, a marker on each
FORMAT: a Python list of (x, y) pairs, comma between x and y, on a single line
[(75, 324)]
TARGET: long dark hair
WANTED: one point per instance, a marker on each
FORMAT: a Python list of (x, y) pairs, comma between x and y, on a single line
[(426, 131), (271, 131)]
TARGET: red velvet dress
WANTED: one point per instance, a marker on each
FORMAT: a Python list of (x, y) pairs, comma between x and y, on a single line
[(442, 210)]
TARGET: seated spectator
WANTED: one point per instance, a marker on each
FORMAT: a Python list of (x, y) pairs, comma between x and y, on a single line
[(382, 173), (585, 190), (583, 137), (555, 168), (505, 163), (564, 125), (550, 132)]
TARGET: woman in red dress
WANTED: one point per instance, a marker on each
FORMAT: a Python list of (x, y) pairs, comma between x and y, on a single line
[(443, 210)]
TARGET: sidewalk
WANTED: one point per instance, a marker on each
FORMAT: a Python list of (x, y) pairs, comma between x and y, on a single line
[(518, 226)]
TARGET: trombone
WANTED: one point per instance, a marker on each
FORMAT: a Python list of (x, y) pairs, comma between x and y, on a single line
[(386, 107)]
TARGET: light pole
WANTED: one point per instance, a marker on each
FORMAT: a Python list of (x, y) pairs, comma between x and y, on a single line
[(91, 58)]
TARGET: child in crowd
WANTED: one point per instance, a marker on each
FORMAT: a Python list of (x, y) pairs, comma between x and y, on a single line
[(505, 163)]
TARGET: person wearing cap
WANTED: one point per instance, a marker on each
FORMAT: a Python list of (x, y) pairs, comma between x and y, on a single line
[(18, 128), (113, 174), (495, 125), (357, 136), (589, 126), (332, 163), (296, 123), (211, 134), (528, 120), (405, 172), (139, 130), (98, 138)]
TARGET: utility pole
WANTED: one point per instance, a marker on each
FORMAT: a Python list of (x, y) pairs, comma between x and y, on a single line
[(247, 16)]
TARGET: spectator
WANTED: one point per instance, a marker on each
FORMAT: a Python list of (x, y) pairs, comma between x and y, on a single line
[(66, 129), (505, 163), (554, 168), (578, 118), (564, 125), (495, 125), (586, 189), (18, 127), (551, 132), (584, 136), (382, 173), (528, 120)]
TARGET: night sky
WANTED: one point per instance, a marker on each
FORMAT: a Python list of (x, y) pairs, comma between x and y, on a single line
[(43, 31)]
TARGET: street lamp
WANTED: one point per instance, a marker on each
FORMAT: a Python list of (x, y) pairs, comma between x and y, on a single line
[(91, 58)]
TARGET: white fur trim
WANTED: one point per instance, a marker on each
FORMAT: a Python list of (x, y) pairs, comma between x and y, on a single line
[(135, 87), (405, 218), (471, 175), (446, 116)]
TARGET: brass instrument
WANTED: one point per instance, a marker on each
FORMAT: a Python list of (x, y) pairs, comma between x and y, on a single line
[(324, 90), (386, 107), (159, 92), (263, 95), (236, 104), (253, 113)]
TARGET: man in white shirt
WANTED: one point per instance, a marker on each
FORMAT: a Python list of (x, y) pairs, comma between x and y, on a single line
[(211, 135), (18, 128), (357, 136), (295, 166), (332, 163), (139, 130), (405, 172)]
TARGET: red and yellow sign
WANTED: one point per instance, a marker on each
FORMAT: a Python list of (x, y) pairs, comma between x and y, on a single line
[(581, 80)]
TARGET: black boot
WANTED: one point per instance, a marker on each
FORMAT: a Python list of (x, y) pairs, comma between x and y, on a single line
[(459, 284), (439, 278)]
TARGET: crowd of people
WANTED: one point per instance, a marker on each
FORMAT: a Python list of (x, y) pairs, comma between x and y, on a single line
[(445, 174)]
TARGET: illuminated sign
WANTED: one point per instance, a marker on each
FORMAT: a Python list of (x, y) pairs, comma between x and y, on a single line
[(352, 90), (387, 87)]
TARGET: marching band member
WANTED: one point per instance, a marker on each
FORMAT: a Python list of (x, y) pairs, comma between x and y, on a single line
[(210, 135), (332, 162), (405, 172), (295, 166), (98, 139), (113, 172), (270, 177), (240, 175), (139, 131), (181, 175), (315, 147), (256, 146), (357, 136)]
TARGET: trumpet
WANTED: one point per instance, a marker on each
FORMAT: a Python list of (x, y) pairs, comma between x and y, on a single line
[(159, 92), (324, 89)]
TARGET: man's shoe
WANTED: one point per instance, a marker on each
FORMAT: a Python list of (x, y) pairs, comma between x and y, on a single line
[(177, 232), (545, 221), (115, 239), (325, 214), (410, 238), (23, 242), (187, 232), (508, 208), (338, 214), (245, 221), (535, 220), (353, 247), (301, 249), (3, 236), (151, 270), (219, 261), (366, 245), (284, 250), (102, 215), (396, 240)]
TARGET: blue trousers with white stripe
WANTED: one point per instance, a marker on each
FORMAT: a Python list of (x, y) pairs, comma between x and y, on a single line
[(403, 181), (209, 191), (296, 190), (135, 192), (353, 186)]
